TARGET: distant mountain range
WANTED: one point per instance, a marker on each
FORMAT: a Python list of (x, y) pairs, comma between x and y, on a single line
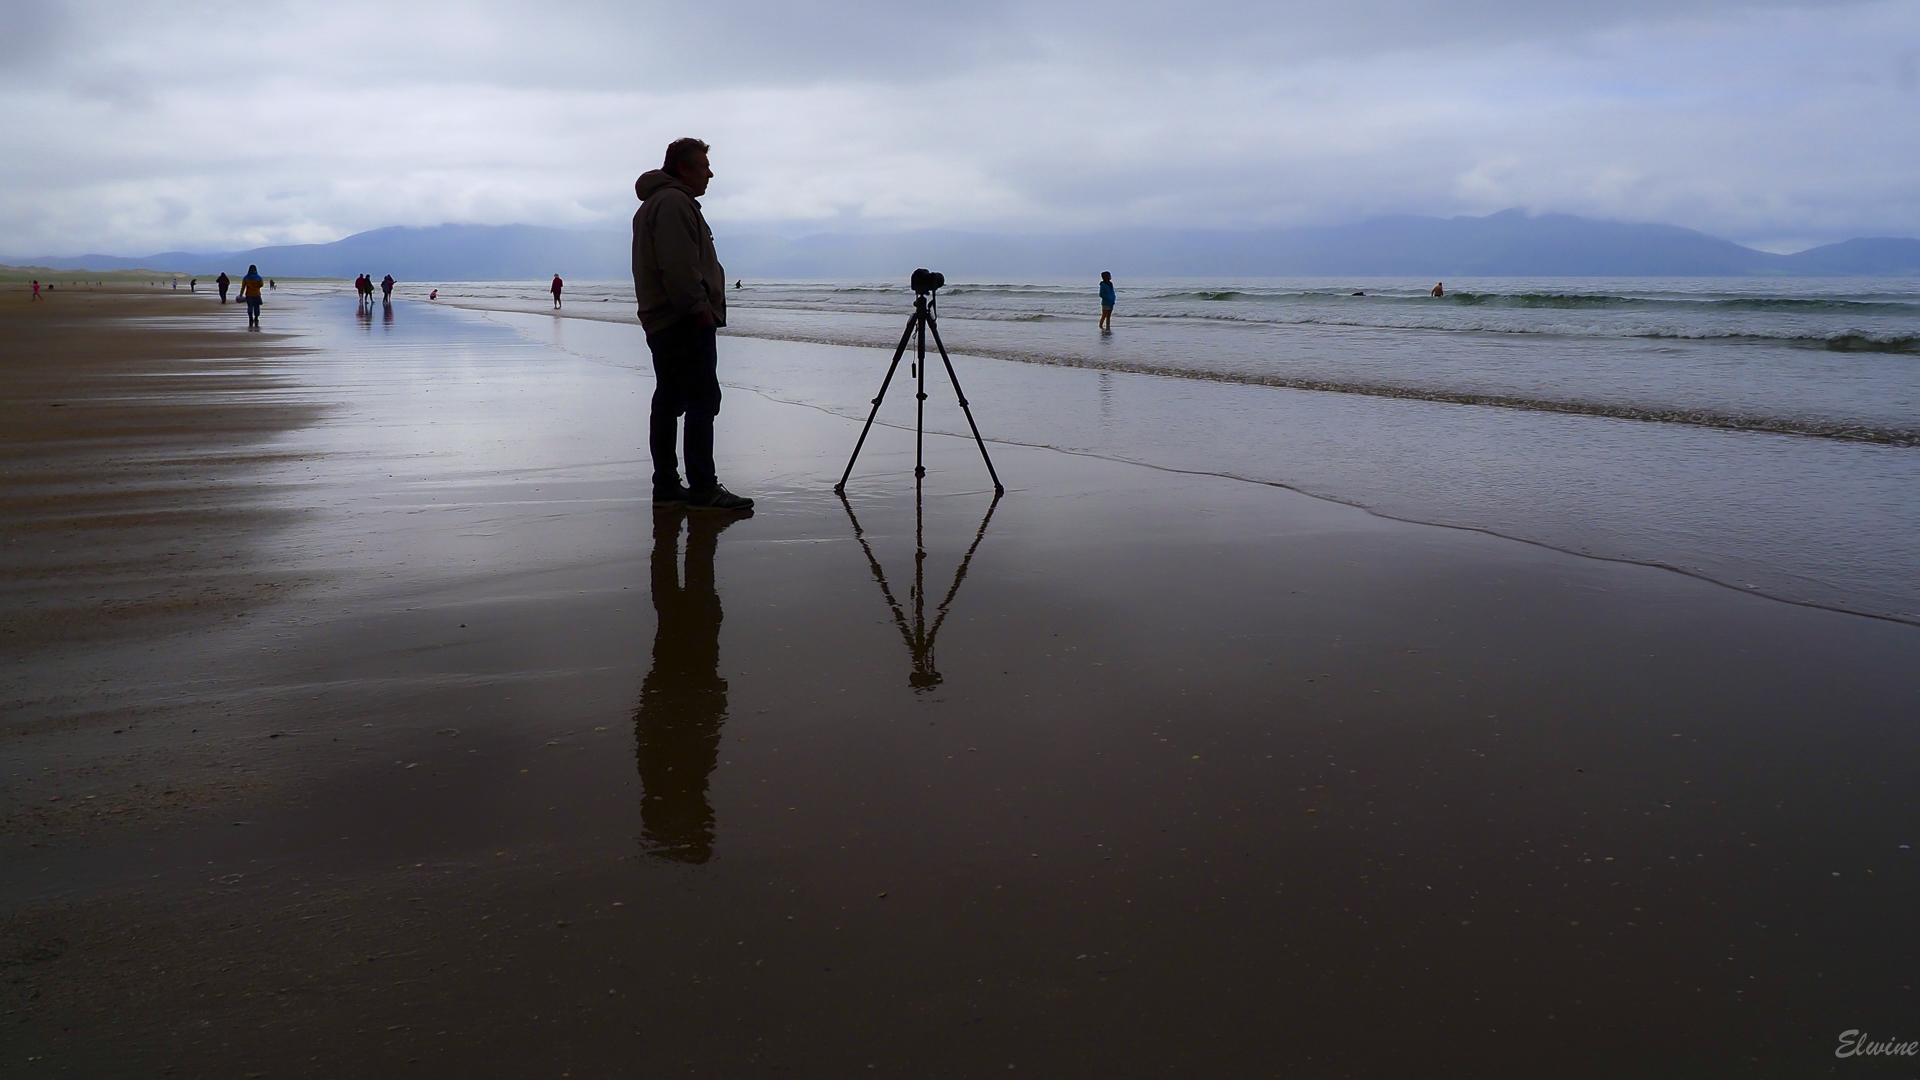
[(1511, 243)]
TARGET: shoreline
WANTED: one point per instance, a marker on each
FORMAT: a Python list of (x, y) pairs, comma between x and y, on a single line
[(1813, 427), (1343, 490)]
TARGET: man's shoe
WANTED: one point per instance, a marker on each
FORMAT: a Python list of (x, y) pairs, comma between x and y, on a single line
[(719, 498), (668, 496)]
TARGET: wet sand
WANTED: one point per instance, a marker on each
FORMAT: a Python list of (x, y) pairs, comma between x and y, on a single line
[(1184, 776)]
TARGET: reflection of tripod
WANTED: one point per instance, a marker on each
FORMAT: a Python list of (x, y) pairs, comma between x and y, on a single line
[(923, 320), (919, 636)]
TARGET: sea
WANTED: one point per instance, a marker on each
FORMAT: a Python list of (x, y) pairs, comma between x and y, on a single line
[(1762, 433)]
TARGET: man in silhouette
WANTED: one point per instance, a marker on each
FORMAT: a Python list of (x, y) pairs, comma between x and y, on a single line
[(386, 289), (555, 288), (1107, 299), (683, 700), (223, 282), (682, 293)]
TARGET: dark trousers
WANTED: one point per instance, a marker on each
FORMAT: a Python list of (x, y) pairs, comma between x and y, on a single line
[(686, 382)]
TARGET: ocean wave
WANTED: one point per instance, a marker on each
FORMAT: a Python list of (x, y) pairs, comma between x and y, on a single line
[(1846, 341), (1758, 423), (1540, 300), (1869, 343)]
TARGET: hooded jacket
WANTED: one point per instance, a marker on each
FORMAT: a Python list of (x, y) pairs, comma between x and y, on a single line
[(676, 273)]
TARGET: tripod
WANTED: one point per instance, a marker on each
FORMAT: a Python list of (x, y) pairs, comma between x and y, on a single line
[(923, 320)]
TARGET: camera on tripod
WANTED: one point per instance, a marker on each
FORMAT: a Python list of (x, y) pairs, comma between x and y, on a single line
[(923, 321)]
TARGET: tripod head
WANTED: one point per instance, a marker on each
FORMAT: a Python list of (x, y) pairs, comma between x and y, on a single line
[(926, 281)]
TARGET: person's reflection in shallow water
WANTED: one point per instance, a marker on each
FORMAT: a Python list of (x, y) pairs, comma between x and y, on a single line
[(683, 700)]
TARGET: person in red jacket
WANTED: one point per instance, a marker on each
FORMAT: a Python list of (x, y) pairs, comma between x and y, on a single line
[(556, 289)]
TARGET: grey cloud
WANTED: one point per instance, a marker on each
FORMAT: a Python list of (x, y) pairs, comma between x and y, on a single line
[(666, 46), (151, 129)]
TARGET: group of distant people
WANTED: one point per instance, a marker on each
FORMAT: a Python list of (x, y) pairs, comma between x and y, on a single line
[(364, 286)]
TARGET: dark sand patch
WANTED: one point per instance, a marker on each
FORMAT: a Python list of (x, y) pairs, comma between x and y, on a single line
[(133, 434), (129, 426)]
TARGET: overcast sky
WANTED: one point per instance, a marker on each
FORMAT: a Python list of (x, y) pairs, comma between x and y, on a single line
[(130, 129)]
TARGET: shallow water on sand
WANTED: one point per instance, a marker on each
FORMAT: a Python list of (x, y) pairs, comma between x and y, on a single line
[(1812, 520)]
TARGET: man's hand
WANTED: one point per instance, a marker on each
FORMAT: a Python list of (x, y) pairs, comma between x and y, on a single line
[(706, 319)]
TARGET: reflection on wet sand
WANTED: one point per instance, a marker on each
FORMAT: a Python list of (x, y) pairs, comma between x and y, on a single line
[(919, 636), (683, 700)]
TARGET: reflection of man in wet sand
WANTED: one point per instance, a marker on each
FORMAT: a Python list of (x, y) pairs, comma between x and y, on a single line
[(683, 701)]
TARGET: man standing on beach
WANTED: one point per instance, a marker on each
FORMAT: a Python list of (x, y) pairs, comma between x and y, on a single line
[(683, 299), (1106, 301), (223, 281), (557, 283)]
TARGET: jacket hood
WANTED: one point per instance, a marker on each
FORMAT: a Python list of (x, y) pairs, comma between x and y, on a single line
[(654, 181)]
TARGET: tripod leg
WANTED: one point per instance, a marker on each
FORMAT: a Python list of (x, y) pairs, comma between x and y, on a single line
[(998, 490), (920, 418), (841, 487)]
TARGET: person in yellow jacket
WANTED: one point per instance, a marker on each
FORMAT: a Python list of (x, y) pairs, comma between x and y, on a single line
[(250, 293)]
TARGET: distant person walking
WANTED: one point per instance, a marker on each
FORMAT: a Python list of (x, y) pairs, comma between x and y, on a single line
[(1106, 302), (250, 292), (272, 284), (36, 288), (1439, 288), (555, 289), (682, 293), (386, 289), (193, 284), (223, 282)]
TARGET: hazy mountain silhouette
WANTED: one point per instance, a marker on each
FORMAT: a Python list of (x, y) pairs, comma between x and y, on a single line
[(1511, 243), (441, 253)]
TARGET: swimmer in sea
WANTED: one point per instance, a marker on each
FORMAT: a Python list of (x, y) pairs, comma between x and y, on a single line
[(1439, 288)]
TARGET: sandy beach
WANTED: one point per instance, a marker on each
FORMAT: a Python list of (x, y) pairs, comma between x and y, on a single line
[(363, 717)]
